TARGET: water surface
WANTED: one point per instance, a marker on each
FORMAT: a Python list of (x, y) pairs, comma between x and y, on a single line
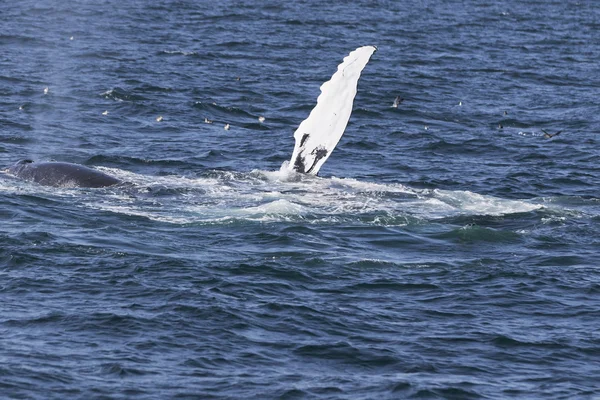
[(447, 249)]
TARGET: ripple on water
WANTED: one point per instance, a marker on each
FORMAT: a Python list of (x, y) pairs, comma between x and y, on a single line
[(438, 255)]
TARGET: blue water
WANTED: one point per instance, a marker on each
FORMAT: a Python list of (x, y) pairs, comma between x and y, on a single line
[(447, 249)]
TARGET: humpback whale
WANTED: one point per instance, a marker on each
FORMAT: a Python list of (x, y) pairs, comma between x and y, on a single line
[(316, 136), (61, 174)]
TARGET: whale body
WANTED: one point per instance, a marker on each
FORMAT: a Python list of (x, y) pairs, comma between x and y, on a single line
[(61, 174)]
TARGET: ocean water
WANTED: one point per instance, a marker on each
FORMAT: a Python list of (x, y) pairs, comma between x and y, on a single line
[(447, 249)]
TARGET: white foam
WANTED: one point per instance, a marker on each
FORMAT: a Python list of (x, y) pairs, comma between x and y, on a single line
[(473, 203), (180, 52), (109, 94), (272, 196)]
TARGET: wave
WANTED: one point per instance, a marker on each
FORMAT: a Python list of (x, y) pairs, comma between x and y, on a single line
[(119, 94)]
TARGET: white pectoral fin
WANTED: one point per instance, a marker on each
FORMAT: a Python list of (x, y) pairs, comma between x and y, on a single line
[(317, 136)]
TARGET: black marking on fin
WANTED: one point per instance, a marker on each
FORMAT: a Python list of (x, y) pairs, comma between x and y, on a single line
[(319, 153), (304, 139), (299, 164)]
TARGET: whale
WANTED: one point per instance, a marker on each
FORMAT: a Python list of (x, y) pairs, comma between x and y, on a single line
[(315, 137), (61, 174)]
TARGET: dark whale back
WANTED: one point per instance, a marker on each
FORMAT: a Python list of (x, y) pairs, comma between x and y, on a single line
[(61, 174)]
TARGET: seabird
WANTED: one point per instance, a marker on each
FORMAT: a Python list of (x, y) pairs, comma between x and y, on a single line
[(397, 101), (550, 135)]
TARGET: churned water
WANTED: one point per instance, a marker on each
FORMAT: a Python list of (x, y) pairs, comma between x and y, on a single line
[(448, 249)]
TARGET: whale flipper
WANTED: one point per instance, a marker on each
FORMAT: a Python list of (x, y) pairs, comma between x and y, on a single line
[(317, 136)]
